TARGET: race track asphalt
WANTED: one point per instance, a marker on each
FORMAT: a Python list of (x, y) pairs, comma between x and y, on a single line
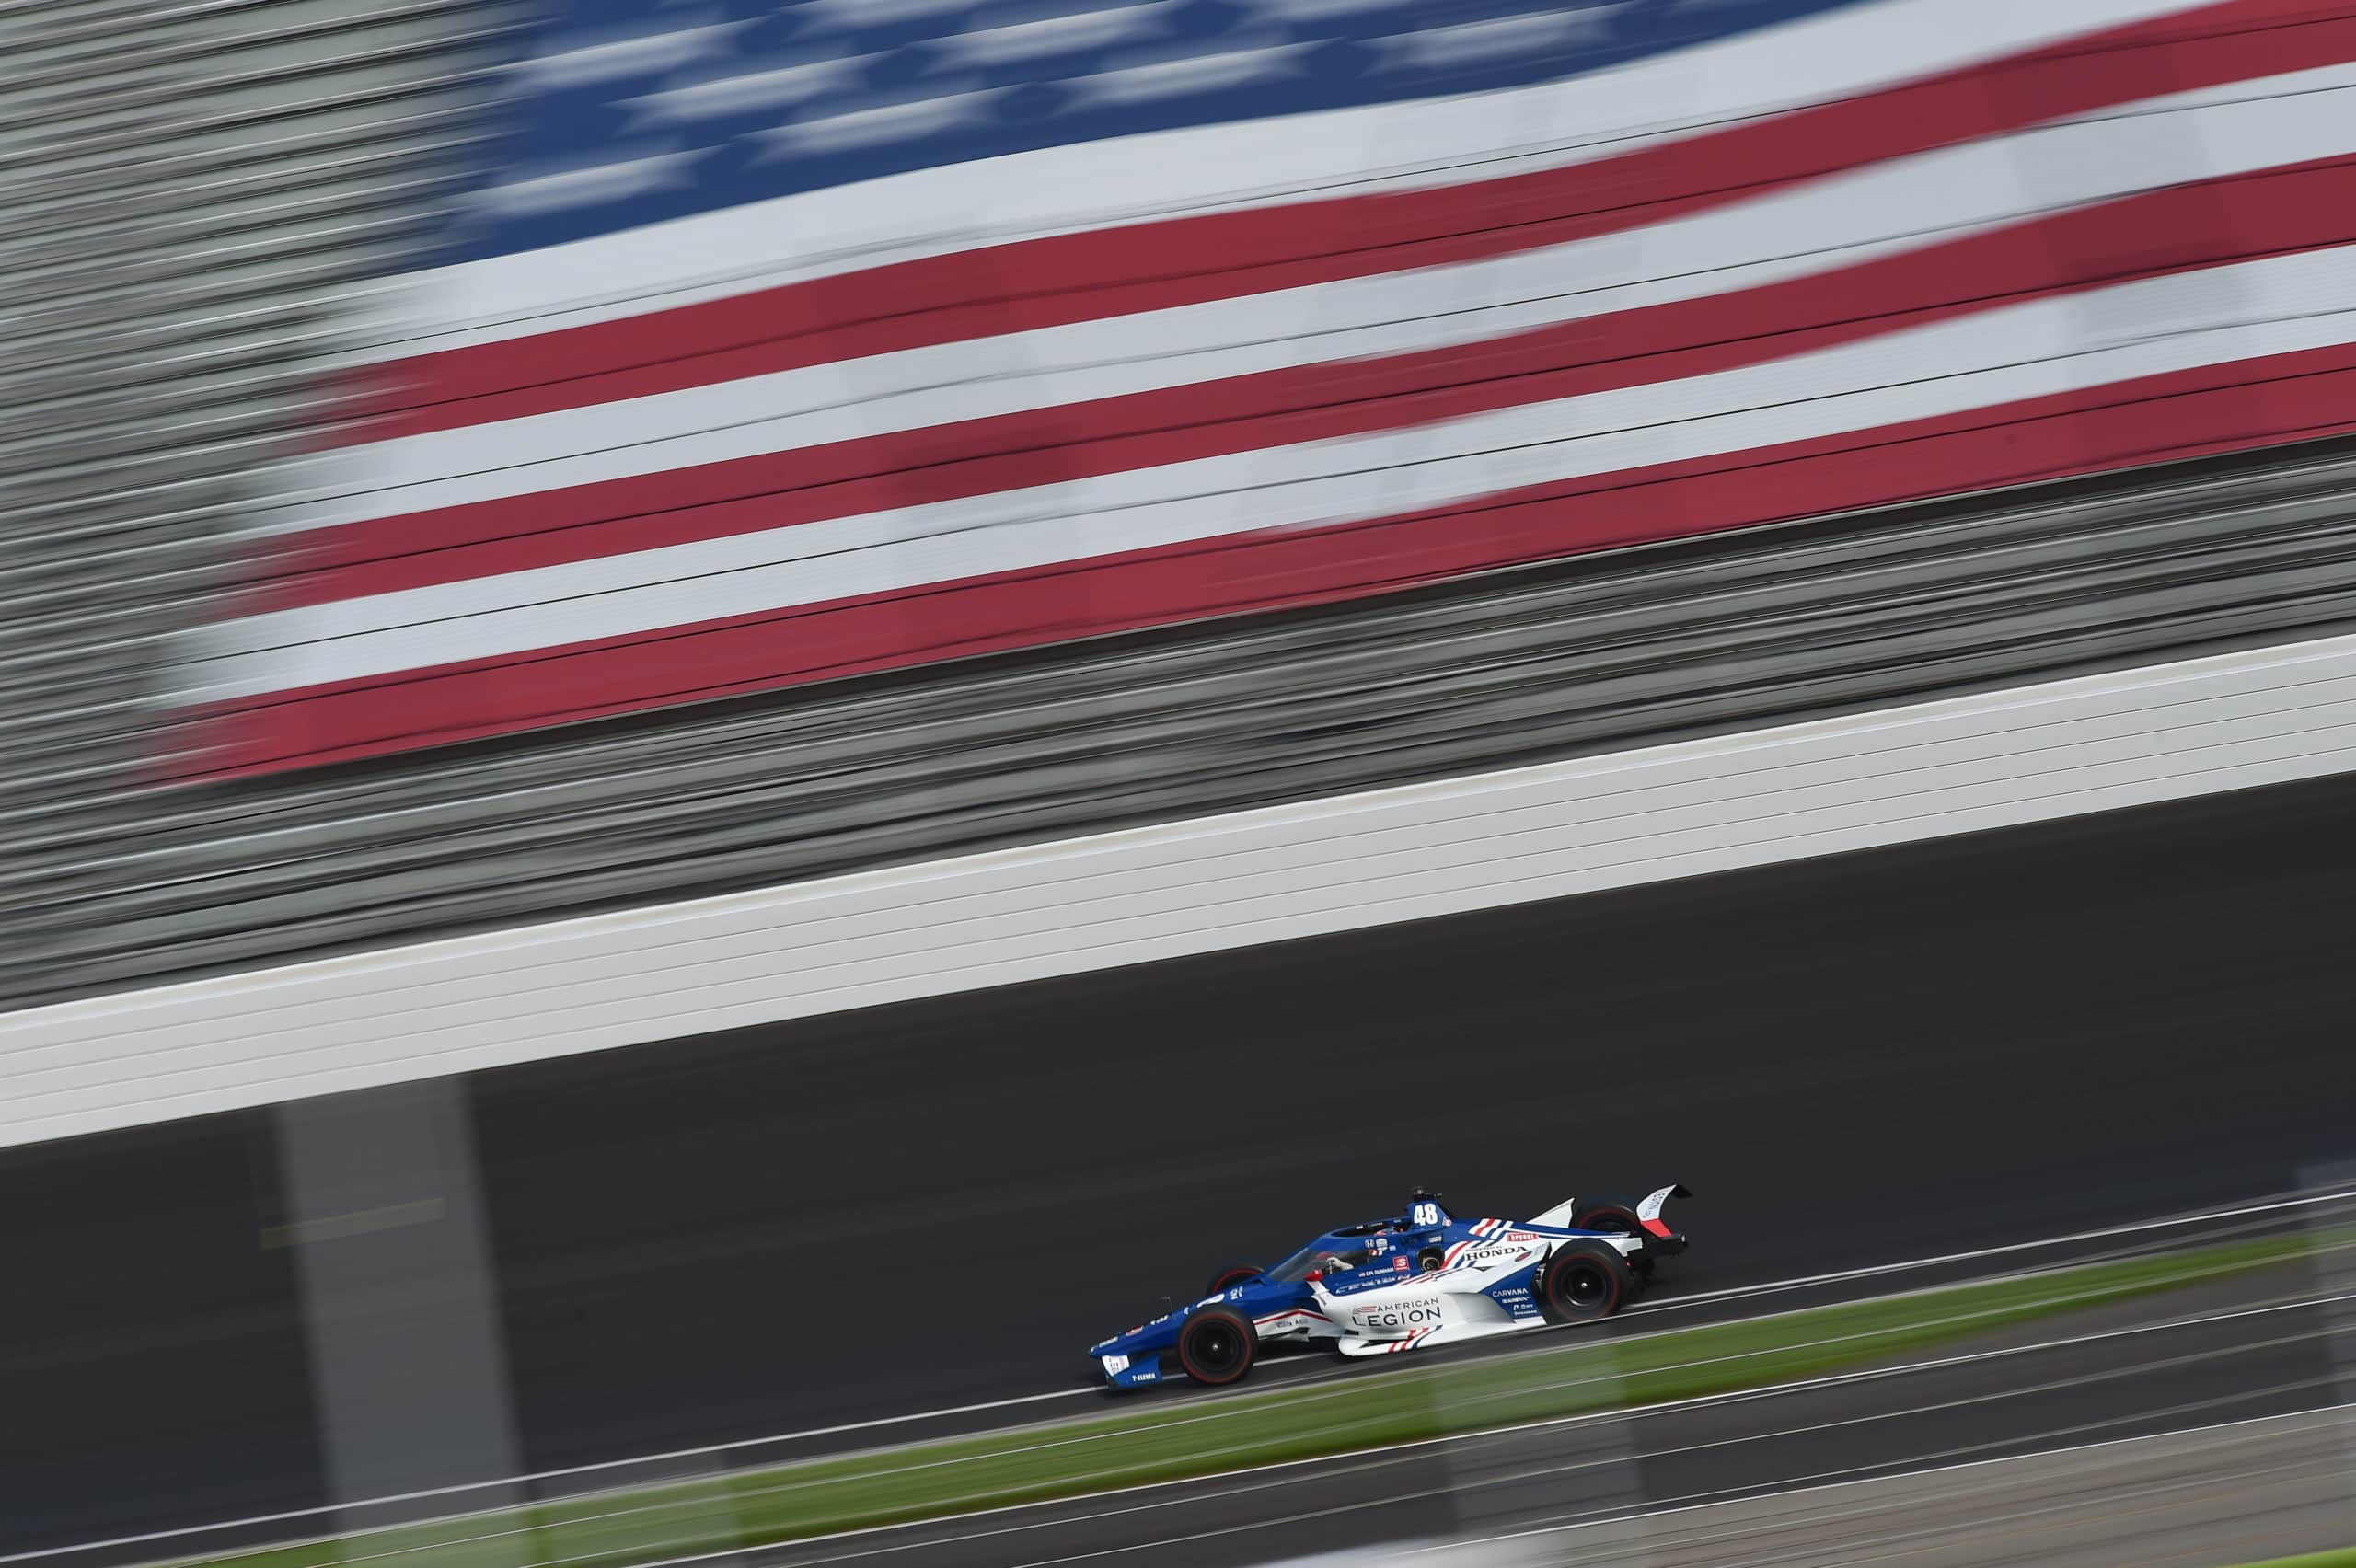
[(1851, 1061), (2235, 1351)]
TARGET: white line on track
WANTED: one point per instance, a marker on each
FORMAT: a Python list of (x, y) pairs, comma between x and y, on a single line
[(1887, 1469), (2250, 1480), (1394, 1453), (1360, 1506), (1912, 1465), (429, 1494), (2335, 1411), (1513, 1343), (1893, 1470), (1730, 1293), (1741, 1291), (2012, 1515), (1200, 1412), (1389, 1459)]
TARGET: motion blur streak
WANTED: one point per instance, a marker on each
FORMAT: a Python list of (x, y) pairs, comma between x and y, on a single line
[(1943, 253), (1579, 657), (1860, 1034), (2231, 722), (1211, 519)]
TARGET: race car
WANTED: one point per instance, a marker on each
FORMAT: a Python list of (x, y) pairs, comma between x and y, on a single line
[(1419, 1278)]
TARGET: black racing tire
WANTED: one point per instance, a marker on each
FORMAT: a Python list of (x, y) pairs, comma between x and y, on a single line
[(1582, 1282), (1615, 1215), (1216, 1345), (1226, 1277)]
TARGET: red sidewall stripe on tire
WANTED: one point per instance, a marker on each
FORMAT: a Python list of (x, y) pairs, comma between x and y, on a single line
[(1611, 1278)]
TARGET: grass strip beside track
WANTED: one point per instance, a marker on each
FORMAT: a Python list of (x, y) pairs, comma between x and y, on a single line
[(1576, 1374)]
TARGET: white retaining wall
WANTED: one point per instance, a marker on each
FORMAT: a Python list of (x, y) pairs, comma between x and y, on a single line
[(1957, 766)]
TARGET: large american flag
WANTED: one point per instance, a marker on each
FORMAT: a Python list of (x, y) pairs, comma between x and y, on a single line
[(786, 341)]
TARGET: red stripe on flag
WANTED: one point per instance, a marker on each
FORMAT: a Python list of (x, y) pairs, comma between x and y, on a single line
[(2215, 409), (1108, 272), (2175, 229)]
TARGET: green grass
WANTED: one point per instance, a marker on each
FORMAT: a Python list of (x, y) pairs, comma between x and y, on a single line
[(2343, 1558), (1567, 1376)]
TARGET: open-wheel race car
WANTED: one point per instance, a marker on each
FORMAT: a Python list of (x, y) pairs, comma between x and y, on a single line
[(1419, 1278)]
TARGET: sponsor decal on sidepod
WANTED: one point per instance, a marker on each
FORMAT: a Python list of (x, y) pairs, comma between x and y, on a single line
[(1414, 1313)]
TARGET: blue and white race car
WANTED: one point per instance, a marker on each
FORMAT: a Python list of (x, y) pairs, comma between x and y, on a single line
[(1419, 1278)]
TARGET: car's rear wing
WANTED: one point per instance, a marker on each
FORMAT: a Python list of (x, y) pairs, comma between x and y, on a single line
[(1649, 1213), (1660, 1238)]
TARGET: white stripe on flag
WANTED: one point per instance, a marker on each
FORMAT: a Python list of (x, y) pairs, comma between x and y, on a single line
[(1254, 164), (2277, 305), (1906, 203)]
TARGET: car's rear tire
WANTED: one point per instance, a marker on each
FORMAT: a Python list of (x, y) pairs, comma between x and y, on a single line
[(1216, 1345), (1226, 1277), (1614, 1216), (1583, 1281)]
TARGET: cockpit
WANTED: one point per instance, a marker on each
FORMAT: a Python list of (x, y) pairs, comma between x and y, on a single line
[(1322, 1257)]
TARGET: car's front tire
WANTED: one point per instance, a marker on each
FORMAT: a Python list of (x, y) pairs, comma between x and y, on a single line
[(1218, 1345), (1583, 1281)]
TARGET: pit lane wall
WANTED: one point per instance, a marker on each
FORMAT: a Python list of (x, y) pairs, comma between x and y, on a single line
[(779, 344), (2226, 722)]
